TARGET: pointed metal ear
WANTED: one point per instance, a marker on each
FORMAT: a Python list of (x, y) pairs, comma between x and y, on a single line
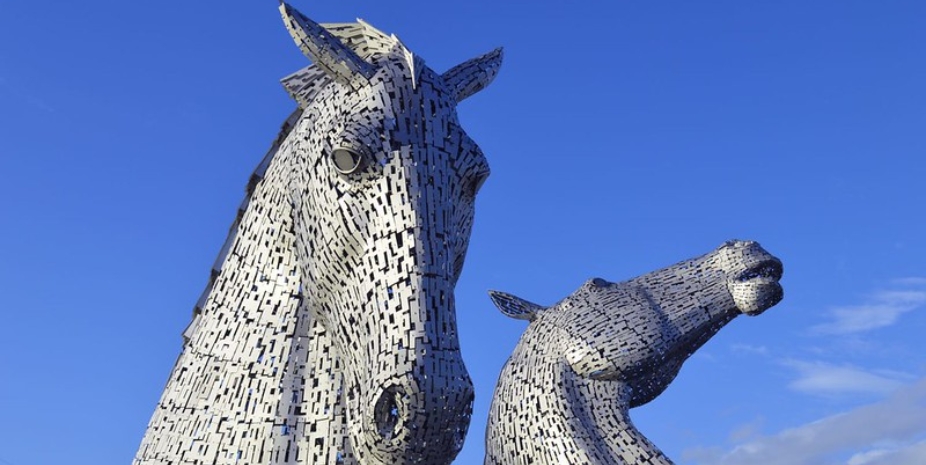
[(515, 307), (474, 75), (326, 50)]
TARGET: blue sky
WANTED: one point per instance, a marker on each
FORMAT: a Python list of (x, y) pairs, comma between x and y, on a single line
[(623, 137)]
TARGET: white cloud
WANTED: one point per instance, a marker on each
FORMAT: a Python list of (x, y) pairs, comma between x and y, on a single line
[(821, 378), (911, 281), (749, 349), (882, 309), (910, 454), (747, 431), (898, 420)]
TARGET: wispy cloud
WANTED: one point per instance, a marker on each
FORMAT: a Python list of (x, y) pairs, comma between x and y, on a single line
[(912, 454), (911, 281), (24, 95), (747, 431), (881, 309), (899, 421), (826, 379), (749, 349)]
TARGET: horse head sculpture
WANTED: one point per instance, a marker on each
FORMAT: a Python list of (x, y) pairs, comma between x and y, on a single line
[(384, 187), (328, 330), (564, 394)]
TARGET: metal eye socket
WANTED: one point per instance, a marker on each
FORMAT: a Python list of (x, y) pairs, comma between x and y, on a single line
[(347, 161)]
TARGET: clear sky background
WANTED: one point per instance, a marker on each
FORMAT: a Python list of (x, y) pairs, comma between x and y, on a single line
[(623, 137)]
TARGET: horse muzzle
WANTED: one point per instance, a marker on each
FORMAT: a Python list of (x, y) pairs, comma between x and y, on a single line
[(757, 289), (421, 417)]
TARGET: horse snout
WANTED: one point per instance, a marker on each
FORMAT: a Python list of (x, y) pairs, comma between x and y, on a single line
[(420, 417), (752, 276), (768, 270), (757, 288)]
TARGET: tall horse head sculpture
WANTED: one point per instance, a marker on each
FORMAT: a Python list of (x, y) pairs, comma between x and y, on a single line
[(564, 395), (328, 332)]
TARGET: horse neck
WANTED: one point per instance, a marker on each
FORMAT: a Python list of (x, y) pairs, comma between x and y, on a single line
[(544, 413), (606, 405)]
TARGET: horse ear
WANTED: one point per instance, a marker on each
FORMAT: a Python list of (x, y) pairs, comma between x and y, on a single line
[(471, 76), (325, 49), (515, 307)]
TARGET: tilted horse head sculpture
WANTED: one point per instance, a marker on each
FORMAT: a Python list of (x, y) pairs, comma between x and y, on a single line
[(328, 331), (564, 394)]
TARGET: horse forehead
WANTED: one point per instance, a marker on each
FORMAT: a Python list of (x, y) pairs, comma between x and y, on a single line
[(390, 98), (603, 294), (402, 83), (595, 307)]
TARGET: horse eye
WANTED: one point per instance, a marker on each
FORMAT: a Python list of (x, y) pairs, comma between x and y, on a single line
[(347, 161)]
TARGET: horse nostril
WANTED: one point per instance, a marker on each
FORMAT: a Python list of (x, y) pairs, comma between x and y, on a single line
[(386, 412)]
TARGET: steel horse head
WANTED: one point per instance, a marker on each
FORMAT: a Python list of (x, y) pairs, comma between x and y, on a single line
[(328, 333), (564, 395), (384, 187)]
